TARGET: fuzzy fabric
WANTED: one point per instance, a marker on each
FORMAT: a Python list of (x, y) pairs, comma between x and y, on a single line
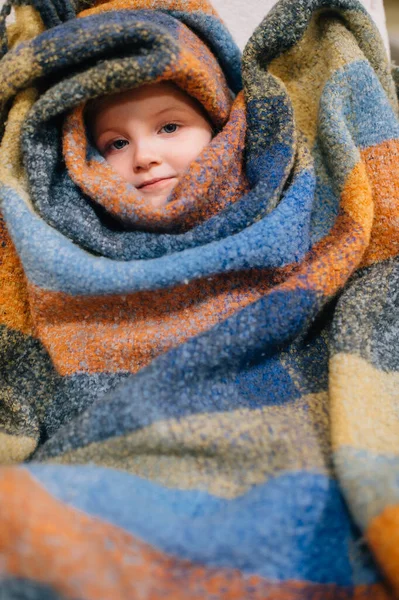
[(205, 395)]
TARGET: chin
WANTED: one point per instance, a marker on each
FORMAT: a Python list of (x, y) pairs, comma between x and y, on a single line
[(159, 201)]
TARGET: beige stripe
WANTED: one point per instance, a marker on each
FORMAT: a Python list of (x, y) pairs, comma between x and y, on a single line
[(305, 69), (364, 406), (27, 25), (15, 449), (223, 453), (17, 71), (12, 172)]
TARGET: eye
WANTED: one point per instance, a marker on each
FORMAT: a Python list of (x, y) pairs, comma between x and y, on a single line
[(118, 144), (170, 128)]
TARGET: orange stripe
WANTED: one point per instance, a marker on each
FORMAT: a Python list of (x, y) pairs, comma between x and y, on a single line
[(79, 556), (203, 78), (330, 263), (383, 537), (334, 258), (357, 199), (14, 305), (113, 333), (382, 164), (75, 149)]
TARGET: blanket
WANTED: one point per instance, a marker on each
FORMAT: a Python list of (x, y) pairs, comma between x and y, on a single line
[(204, 396)]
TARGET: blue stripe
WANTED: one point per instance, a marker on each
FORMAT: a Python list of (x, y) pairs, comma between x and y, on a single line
[(352, 100), (289, 528), (370, 481), (53, 262)]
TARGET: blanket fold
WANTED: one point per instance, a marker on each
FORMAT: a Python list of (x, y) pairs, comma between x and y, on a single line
[(204, 394)]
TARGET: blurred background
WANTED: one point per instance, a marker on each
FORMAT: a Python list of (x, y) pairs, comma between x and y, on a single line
[(392, 20)]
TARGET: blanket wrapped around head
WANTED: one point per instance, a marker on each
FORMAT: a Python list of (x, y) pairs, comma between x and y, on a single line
[(204, 394)]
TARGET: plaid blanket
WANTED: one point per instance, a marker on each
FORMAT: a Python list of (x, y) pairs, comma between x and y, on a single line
[(204, 396)]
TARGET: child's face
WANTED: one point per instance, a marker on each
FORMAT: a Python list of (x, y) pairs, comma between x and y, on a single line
[(150, 135)]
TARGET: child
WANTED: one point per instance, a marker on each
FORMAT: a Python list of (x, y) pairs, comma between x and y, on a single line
[(186, 353), (150, 135), (201, 174)]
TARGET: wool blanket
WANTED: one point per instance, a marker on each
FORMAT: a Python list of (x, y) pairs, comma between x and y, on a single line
[(204, 396)]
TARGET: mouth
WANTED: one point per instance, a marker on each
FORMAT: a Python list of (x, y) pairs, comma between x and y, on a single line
[(154, 184)]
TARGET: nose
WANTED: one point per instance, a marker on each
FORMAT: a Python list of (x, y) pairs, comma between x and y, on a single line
[(145, 155)]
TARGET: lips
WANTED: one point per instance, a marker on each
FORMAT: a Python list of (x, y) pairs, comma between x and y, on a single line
[(154, 183)]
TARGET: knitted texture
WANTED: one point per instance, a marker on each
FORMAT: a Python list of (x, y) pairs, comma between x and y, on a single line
[(205, 394)]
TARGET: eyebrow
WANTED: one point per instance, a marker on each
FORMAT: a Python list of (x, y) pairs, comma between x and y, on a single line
[(169, 109)]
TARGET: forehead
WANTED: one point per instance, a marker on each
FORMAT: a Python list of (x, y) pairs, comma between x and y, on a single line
[(142, 102)]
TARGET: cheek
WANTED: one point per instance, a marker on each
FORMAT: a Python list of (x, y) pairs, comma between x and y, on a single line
[(120, 163), (186, 152)]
